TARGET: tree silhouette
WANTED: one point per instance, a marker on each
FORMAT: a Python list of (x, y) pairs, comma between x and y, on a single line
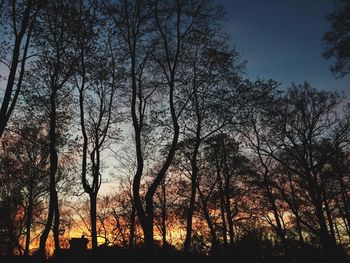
[(337, 40), (19, 18)]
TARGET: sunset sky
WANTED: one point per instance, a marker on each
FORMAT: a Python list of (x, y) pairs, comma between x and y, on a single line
[(282, 40)]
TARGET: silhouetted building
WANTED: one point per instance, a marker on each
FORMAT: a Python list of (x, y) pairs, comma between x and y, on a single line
[(78, 244), (77, 249)]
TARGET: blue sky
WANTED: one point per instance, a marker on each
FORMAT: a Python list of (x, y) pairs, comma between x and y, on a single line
[(282, 40)]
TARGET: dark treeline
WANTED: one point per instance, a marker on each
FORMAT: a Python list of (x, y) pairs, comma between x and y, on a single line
[(151, 98)]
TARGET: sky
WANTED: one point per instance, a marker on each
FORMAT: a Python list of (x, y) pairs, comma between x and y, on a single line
[(282, 40)]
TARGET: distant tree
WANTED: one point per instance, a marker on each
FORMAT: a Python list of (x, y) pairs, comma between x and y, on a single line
[(27, 150), (337, 40), (257, 97), (303, 131), (225, 160), (24, 159), (11, 212), (125, 207), (340, 189)]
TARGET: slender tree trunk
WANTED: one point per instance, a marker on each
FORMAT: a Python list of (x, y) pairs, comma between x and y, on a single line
[(295, 209), (138, 124), (136, 187), (45, 234), (93, 202), (324, 234), (329, 218), (279, 229), (229, 215), (164, 242), (214, 239), (343, 217), (222, 208), (227, 194), (346, 201), (132, 226), (53, 203), (190, 211), (56, 224), (299, 229), (194, 171), (29, 221), (149, 231)]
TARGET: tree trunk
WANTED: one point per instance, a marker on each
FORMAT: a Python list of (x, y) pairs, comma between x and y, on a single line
[(214, 240), (190, 210), (164, 242), (194, 172), (298, 226), (222, 209), (227, 195), (229, 215), (132, 226), (53, 203), (149, 233), (346, 201), (29, 221), (56, 224), (324, 234), (329, 218), (93, 202), (279, 229)]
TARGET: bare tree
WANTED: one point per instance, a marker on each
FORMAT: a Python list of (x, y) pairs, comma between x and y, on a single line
[(29, 153), (19, 19), (97, 90), (96, 109), (47, 92), (213, 74), (304, 131)]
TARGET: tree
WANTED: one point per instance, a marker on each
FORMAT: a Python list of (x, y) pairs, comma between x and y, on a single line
[(28, 152), (154, 38), (18, 19), (175, 35), (131, 20), (213, 74), (302, 133), (96, 109), (11, 213), (225, 159), (337, 40), (256, 99), (97, 90), (47, 90)]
